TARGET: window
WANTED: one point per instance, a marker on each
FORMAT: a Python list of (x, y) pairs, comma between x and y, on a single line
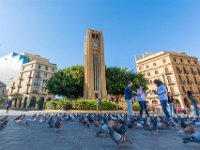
[(183, 89), (172, 89), (187, 79), (166, 70), (39, 66), (195, 79), (44, 81), (180, 79), (190, 88), (174, 59), (147, 66), (52, 69), (195, 62), (35, 88), (169, 79), (164, 61), (140, 68), (148, 74), (181, 60), (198, 89), (45, 75), (154, 64), (32, 66), (97, 36), (46, 68), (156, 72), (93, 36), (188, 61)]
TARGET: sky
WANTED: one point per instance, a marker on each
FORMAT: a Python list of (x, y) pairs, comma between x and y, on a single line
[(56, 29)]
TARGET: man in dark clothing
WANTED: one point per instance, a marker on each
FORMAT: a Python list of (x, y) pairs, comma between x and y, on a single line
[(128, 98)]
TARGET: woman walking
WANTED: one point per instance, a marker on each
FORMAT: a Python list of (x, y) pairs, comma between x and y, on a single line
[(162, 95), (171, 103)]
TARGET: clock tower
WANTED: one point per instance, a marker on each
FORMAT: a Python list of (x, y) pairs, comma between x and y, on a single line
[(94, 71)]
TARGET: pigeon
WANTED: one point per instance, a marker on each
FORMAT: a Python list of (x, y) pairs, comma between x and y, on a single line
[(194, 138), (51, 122), (117, 138), (3, 124), (58, 124)]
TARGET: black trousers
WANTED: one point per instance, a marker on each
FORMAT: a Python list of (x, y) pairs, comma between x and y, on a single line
[(143, 106)]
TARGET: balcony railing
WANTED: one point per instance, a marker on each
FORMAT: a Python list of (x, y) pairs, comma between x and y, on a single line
[(28, 84), (12, 87), (19, 86), (179, 71)]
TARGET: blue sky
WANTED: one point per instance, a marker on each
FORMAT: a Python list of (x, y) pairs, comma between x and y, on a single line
[(56, 29)]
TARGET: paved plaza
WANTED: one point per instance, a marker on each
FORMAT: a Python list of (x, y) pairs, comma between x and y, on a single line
[(74, 136)]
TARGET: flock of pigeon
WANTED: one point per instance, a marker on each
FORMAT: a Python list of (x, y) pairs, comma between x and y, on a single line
[(116, 125)]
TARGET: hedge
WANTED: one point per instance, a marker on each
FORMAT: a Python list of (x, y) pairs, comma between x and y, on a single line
[(84, 104)]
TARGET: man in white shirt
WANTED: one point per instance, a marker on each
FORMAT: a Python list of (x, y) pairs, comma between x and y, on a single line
[(141, 98)]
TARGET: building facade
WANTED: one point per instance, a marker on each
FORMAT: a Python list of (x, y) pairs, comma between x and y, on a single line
[(94, 71), (27, 75), (178, 71), (2, 89)]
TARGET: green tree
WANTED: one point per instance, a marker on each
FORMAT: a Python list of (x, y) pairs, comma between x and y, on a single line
[(117, 78), (67, 82)]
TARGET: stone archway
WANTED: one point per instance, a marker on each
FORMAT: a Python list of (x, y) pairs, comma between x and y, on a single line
[(40, 103), (32, 102)]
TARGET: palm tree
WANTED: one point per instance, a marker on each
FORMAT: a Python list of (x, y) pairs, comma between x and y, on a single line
[(16, 97)]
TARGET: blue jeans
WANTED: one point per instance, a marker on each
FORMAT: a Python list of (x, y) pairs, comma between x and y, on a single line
[(164, 108), (129, 106), (196, 110), (171, 108), (143, 106)]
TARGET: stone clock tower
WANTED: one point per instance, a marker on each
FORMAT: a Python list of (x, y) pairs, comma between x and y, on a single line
[(94, 71)]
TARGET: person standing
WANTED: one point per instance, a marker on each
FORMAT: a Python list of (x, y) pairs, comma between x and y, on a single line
[(128, 98), (7, 105), (171, 103), (194, 102), (162, 95), (141, 98)]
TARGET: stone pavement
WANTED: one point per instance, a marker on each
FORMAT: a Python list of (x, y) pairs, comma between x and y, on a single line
[(74, 136)]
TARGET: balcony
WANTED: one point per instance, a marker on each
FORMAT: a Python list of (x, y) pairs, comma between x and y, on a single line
[(28, 84), (21, 79), (171, 83), (176, 94), (12, 87), (194, 72), (182, 81), (186, 72), (37, 76), (19, 86), (189, 82), (35, 92), (179, 71), (36, 83), (168, 72)]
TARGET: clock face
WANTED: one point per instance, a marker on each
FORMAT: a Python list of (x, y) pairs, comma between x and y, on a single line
[(96, 43)]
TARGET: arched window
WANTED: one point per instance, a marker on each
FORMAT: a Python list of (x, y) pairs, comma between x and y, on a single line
[(164, 61), (148, 74), (166, 70), (169, 79), (174, 59), (154, 64)]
